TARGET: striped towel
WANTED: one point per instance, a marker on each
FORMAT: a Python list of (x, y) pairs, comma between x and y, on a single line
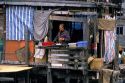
[(39, 53)]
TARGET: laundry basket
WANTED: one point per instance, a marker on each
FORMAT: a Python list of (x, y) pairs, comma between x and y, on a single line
[(96, 64)]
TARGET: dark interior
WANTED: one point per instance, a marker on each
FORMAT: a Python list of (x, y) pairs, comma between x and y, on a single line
[(75, 29)]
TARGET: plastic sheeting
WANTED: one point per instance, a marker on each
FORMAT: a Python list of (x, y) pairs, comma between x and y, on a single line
[(41, 23)]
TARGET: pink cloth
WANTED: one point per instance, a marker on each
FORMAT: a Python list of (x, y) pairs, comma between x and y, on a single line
[(109, 46)]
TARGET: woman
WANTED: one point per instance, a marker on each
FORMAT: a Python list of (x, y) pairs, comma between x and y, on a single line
[(63, 35)]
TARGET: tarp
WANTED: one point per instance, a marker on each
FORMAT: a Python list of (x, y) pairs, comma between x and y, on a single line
[(106, 24), (17, 19), (41, 23)]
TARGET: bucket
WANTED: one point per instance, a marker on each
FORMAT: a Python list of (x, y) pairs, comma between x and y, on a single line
[(82, 44)]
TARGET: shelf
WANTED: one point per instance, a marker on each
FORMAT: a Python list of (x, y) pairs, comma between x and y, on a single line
[(62, 47)]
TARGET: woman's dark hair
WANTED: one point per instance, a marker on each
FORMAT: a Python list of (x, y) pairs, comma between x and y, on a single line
[(120, 52)]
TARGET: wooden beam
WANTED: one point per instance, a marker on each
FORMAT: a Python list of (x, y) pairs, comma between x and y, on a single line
[(71, 12), (53, 3), (64, 18)]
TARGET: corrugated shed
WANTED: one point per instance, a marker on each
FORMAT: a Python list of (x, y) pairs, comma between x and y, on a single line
[(17, 19)]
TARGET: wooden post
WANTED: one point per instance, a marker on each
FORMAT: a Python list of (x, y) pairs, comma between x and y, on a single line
[(26, 46), (116, 66), (95, 26), (4, 33)]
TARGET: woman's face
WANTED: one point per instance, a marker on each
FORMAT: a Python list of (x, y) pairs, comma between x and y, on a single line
[(61, 27)]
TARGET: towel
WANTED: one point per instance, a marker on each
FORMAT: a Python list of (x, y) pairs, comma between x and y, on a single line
[(39, 53)]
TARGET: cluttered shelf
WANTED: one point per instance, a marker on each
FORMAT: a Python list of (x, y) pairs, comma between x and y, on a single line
[(62, 47)]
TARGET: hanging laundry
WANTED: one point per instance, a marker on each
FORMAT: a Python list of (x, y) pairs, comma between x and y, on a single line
[(17, 19), (41, 23), (107, 1), (110, 38), (39, 53)]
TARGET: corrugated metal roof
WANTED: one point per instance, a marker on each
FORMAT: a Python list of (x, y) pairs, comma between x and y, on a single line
[(62, 3), (55, 3)]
